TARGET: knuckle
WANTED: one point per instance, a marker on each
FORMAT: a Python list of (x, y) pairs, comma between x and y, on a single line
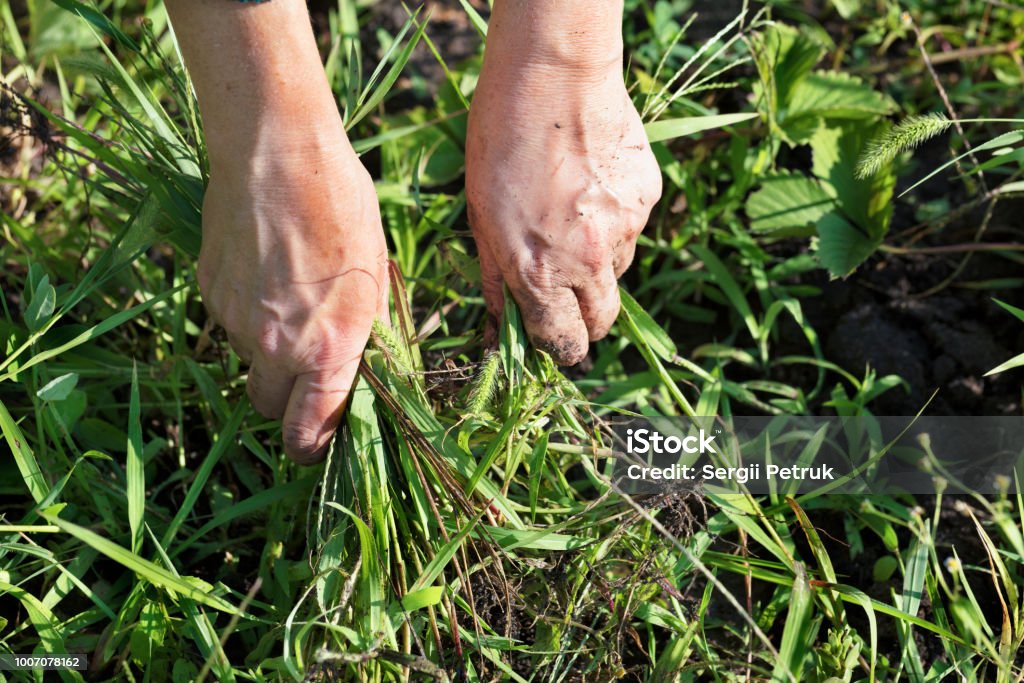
[(539, 274), (593, 261), (301, 440), (267, 340)]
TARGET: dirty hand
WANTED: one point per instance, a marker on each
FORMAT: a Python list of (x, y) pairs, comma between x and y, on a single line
[(293, 266), (560, 181)]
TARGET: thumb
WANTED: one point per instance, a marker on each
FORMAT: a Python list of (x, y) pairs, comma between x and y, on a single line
[(491, 280), (314, 411)]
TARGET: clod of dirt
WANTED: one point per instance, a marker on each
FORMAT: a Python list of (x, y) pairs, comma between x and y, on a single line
[(867, 336)]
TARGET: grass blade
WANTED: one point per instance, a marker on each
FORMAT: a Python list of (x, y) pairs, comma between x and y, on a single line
[(149, 571), (135, 471)]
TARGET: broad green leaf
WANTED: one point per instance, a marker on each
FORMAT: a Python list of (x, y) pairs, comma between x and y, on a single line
[(42, 305), (841, 246), (835, 95), (787, 200), (867, 203), (784, 57), (60, 388), (659, 131)]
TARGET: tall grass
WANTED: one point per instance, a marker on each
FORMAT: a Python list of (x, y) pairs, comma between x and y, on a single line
[(464, 526)]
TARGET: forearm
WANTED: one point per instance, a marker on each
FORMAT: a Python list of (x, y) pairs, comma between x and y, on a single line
[(580, 34), (257, 73)]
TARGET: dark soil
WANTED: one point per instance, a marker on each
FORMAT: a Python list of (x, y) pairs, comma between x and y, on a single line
[(883, 318)]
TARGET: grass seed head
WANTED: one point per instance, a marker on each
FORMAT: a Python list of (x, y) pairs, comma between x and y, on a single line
[(906, 136), (482, 392)]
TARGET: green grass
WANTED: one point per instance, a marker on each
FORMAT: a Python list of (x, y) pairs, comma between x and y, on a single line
[(463, 527)]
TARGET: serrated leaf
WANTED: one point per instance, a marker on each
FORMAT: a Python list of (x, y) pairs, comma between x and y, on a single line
[(787, 200), (784, 57), (841, 246), (867, 203), (835, 95), (60, 388)]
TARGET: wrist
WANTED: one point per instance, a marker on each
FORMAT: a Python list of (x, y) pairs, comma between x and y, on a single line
[(281, 152), (581, 37), (278, 125)]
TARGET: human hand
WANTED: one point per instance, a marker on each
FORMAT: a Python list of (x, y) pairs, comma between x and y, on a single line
[(293, 266), (560, 181)]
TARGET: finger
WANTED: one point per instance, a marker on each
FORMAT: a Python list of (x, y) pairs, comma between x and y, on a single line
[(314, 411), (623, 257), (269, 387), (599, 304), (491, 280), (241, 349), (554, 323), (391, 270)]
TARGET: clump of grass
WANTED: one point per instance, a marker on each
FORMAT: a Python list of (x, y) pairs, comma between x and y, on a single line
[(435, 546), (883, 150)]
